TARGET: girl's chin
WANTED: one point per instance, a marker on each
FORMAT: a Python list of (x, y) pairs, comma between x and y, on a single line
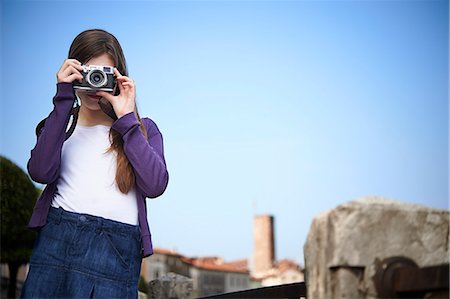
[(91, 102), (92, 97), (95, 107)]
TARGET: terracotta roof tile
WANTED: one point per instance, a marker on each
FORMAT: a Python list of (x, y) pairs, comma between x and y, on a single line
[(286, 264), (213, 263), (165, 251)]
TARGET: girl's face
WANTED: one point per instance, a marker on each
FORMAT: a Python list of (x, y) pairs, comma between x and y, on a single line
[(88, 99)]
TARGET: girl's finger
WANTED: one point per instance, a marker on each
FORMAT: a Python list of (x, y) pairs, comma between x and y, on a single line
[(128, 81), (70, 70), (69, 67), (76, 65), (73, 77), (120, 86), (73, 60), (124, 79), (67, 73), (80, 78), (126, 84), (117, 73), (106, 95)]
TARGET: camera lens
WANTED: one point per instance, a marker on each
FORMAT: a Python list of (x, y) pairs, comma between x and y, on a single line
[(96, 78)]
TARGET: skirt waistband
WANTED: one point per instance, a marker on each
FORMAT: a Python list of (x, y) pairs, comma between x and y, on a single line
[(97, 222)]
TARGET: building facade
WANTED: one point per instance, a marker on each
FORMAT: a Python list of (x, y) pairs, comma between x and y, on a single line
[(210, 275)]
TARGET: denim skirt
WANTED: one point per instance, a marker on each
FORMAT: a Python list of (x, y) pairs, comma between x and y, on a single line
[(83, 256)]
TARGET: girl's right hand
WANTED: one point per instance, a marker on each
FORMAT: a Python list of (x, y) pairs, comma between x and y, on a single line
[(70, 71)]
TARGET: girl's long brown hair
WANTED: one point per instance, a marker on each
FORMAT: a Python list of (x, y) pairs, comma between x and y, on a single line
[(92, 43)]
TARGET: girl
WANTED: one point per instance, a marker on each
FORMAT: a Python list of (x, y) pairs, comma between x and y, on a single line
[(92, 216)]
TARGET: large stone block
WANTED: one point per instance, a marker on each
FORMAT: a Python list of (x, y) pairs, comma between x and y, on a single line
[(344, 244), (172, 286)]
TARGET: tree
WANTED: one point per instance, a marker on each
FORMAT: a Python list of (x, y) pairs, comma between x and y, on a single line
[(142, 286), (17, 197)]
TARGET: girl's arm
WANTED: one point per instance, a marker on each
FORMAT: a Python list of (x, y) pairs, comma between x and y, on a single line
[(43, 166), (146, 157)]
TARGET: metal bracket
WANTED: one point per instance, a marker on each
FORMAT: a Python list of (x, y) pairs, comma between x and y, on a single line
[(400, 277)]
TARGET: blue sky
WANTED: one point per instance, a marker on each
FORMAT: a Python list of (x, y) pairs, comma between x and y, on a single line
[(282, 107)]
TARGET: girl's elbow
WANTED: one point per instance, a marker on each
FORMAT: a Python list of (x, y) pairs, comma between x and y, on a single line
[(40, 175), (158, 189), (42, 178), (35, 175)]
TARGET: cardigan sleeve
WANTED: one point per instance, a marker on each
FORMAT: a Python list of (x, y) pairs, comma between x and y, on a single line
[(146, 157), (43, 165)]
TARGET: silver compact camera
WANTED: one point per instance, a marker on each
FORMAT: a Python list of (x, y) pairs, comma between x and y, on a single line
[(96, 78)]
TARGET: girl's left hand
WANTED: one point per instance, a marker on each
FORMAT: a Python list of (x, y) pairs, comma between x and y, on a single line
[(125, 102)]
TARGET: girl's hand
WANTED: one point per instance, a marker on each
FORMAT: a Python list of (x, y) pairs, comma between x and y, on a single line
[(70, 71), (123, 103)]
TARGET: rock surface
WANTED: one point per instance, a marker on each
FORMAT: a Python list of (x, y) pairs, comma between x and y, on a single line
[(344, 244), (172, 286)]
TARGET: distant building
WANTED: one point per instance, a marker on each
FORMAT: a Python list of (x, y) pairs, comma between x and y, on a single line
[(214, 276), (162, 262), (263, 244), (283, 272), (210, 275), (265, 268)]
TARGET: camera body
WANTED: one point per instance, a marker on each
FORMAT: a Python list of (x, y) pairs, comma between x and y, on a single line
[(96, 78)]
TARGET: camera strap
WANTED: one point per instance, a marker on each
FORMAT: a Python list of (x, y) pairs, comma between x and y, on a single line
[(107, 108), (72, 122), (75, 111), (104, 104)]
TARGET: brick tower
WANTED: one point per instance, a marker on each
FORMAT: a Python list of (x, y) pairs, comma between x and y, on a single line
[(263, 244)]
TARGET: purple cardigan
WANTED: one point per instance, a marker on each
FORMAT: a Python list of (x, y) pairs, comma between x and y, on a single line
[(146, 158)]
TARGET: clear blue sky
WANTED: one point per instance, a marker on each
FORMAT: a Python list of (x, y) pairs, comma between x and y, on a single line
[(282, 107)]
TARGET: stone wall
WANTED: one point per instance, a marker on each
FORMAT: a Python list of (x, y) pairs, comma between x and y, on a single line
[(171, 286), (344, 244)]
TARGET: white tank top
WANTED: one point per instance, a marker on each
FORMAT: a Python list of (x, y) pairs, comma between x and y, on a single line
[(87, 182)]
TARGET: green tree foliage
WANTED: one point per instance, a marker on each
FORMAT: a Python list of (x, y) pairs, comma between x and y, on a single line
[(18, 195), (142, 286)]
